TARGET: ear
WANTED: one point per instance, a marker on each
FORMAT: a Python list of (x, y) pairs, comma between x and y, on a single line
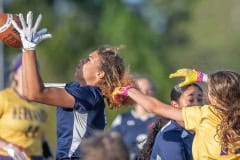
[(100, 74), (213, 100), (174, 104)]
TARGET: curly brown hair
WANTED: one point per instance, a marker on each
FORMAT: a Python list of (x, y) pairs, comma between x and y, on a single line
[(225, 87), (117, 75)]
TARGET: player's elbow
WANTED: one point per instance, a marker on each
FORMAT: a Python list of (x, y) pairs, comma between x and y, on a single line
[(32, 95)]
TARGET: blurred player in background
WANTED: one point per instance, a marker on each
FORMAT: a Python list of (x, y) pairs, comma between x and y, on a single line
[(104, 146), (134, 125), (22, 122), (81, 104)]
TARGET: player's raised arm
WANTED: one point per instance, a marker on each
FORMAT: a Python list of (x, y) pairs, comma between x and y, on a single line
[(33, 86)]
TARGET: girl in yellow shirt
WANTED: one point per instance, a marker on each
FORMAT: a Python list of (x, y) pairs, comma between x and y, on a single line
[(22, 122), (216, 126)]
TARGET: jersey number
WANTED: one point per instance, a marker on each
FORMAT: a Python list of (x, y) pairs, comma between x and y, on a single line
[(32, 131)]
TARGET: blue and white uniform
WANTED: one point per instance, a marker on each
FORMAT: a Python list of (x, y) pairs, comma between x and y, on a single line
[(76, 123), (172, 143), (134, 130)]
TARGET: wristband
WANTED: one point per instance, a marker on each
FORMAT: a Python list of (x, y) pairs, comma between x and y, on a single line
[(125, 90), (201, 77), (205, 77)]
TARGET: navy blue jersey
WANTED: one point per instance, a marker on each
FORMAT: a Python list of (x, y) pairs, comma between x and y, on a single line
[(133, 129), (172, 143), (74, 124)]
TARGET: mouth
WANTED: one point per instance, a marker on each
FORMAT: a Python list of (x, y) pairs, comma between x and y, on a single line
[(78, 68)]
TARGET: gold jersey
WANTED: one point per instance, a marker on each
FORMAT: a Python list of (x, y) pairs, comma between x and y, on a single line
[(204, 121), (21, 122)]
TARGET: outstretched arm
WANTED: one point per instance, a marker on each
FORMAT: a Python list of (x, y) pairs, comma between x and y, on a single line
[(33, 87), (155, 106), (149, 103)]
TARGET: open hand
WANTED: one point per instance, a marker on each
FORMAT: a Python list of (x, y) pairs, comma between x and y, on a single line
[(190, 75), (29, 35)]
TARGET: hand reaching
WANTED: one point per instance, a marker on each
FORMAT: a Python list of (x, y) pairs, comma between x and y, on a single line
[(120, 93), (16, 152), (191, 76), (29, 35)]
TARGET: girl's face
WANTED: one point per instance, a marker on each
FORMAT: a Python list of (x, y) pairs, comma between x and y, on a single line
[(88, 70), (192, 96)]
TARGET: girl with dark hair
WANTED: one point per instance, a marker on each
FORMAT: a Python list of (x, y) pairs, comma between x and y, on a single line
[(216, 125), (173, 142), (81, 104)]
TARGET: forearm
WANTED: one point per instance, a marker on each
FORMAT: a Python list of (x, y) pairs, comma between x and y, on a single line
[(155, 106), (32, 82)]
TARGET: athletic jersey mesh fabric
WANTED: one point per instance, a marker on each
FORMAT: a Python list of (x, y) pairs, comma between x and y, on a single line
[(77, 123), (173, 143)]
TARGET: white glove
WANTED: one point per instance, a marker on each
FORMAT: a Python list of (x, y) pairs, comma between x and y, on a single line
[(15, 152), (29, 35)]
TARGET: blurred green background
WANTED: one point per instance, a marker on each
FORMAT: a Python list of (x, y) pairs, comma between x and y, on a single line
[(160, 36)]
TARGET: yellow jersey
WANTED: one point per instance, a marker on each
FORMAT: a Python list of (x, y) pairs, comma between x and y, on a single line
[(21, 122), (204, 121)]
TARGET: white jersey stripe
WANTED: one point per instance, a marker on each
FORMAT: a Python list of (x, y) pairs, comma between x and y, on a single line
[(79, 130)]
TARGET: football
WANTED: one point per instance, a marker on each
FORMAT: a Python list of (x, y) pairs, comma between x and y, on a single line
[(8, 34)]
